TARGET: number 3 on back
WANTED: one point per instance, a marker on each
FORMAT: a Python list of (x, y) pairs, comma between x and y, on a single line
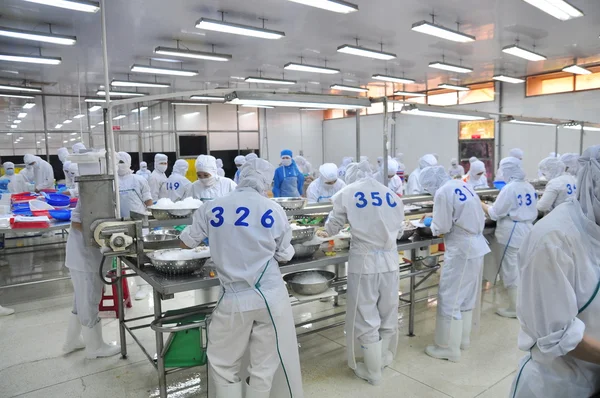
[(362, 201)]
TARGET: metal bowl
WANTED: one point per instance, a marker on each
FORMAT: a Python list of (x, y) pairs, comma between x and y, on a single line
[(302, 251), (408, 232), (312, 288), (176, 267), (162, 239), (181, 212), (290, 203), (317, 219), (169, 214), (302, 234)]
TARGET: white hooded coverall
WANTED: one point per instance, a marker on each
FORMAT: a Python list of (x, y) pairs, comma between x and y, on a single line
[(414, 187), (158, 176), (318, 191), (394, 183), (176, 185), (561, 186), (43, 174), (209, 188), (133, 189)]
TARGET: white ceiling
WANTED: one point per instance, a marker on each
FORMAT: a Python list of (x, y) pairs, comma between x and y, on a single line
[(136, 27)]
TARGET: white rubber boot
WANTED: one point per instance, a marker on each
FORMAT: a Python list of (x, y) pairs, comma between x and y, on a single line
[(252, 393), (448, 334), (232, 390), (74, 341), (6, 311), (95, 347), (387, 356), (511, 310), (467, 317), (142, 288), (370, 370)]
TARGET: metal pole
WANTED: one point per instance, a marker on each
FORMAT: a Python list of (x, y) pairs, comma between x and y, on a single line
[(160, 359), (207, 132), (121, 308), (358, 135), (45, 129), (500, 109), (411, 311), (140, 151), (89, 125), (177, 154), (581, 140), (556, 139), (384, 172), (258, 130), (266, 154), (237, 119)]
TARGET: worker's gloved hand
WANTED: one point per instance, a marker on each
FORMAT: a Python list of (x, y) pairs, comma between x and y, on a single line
[(427, 221), (205, 241)]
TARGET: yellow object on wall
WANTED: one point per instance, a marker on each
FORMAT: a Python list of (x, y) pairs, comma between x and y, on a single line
[(191, 173)]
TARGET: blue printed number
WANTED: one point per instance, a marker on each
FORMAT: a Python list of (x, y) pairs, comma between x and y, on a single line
[(390, 200), (219, 220), (267, 219), (569, 189), (377, 200), (172, 186), (520, 199), (245, 213), (468, 190), (528, 201), (362, 202), (461, 195)]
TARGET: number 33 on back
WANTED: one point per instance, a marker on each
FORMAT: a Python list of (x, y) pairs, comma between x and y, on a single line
[(266, 220)]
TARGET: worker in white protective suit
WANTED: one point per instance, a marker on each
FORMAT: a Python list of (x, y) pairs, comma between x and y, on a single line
[(254, 310), (561, 185), (516, 153), (63, 154), (342, 169), (558, 296), (477, 176), (73, 187), (8, 177), (456, 170), (158, 176), (571, 161), (43, 174), (394, 183), (78, 147), (220, 171), (177, 184), (251, 156), (457, 215), (143, 171), (209, 185), (401, 167), (414, 187), (514, 211), (328, 184), (22, 182), (304, 166), (239, 162), (134, 193), (65, 167), (83, 263), (376, 216)]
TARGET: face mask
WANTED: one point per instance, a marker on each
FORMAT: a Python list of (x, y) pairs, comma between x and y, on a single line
[(162, 167), (10, 172), (29, 167), (123, 169), (208, 182), (144, 168), (286, 162)]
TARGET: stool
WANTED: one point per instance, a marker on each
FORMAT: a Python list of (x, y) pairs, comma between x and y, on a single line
[(126, 298)]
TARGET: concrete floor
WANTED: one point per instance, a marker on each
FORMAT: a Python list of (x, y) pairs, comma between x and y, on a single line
[(32, 364)]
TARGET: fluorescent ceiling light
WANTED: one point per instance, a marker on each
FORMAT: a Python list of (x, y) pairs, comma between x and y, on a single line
[(141, 109), (121, 93), (182, 53), (38, 36), (13, 126), (258, 106), (163, 71), (129, 83), (453, 87), (237, 29), (207, 98), (310, 68), (450, 67), (311, 109), (531, 123), (442, 32), (22, 115), (365, 52), (578, 127), (95, 108), (72, 139), (409, 94), (119, 117), (58, 126), (30, 59), (17, 121), (559, 9), (93, 126), (191, 114), (190, 103), (523, 53), (79, 116), (74, 133), (67, 121), (296, 100), (100, 123), (76, 5), (247, 114), (156, 118), (433, 111), (508, 79), (578, 70), (392, 79), (330, 5), (254, 79), (29, 105), (10, 87), (343, 87), (95, 100), (16, 96)]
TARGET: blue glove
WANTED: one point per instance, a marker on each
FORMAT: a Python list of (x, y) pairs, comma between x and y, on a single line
[(427, 221), (205, 241)]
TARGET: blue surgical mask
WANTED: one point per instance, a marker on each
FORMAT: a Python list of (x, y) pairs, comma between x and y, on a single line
[(10, 172)]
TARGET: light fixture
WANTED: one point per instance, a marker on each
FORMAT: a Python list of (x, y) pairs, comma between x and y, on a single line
[(258, 106), (265, 80), (22, 115), (450, 67), (433, 111), (29, 105), (13, 126), (392, 79), (442, 32), (296, 100), (191, 114), (93, 126), (119, 117), (72, 139), (58, 126), (190, 103), (559, 9), (577, 70), (531, 123), (311, 109), (523, 53), (508, 79), (68, 121), (453, 87), (130, 83), (177, 52), (140, 109), (340, 6), (79, 116), (247, 114), (156, 118), (207, 98), (578, 127), (163, 71), (16, 96), (95, 108), (343, 87), (10, 87), (365, 52), (100, 123), (74, 133), (310, 68), (89, 99), (409, 94), (30, 59), (17, 121), (37, 36), (76, 5), (237, 29), (121, 93)]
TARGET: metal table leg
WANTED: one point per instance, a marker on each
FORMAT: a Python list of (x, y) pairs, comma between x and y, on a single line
[(160, 360), (121, 307), (337, 275), (411, 311)]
